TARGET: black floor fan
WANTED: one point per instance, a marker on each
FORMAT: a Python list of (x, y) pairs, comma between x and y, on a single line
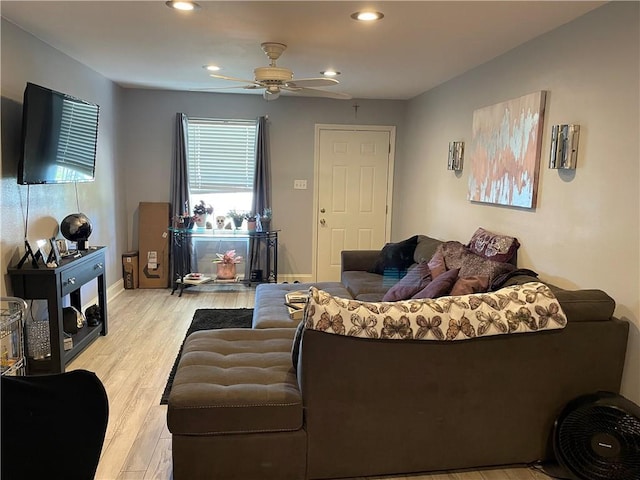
[(597, 437)]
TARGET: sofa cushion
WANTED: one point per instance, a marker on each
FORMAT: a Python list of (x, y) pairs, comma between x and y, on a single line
[(269, 308), (517, 309), (395, 258), (235, 380), (439, 286), (359, 283), (415, 280), (499, 248), (457, 255), (425, 249)]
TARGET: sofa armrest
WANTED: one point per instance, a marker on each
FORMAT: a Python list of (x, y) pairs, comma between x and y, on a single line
[(361, 260), (584, 305)]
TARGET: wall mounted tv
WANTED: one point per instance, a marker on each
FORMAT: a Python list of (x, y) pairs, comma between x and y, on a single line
[(59, 137)]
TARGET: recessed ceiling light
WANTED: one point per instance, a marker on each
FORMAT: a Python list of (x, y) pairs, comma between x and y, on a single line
[(183, 5), (211, 68), (330, 73), (367, 16)]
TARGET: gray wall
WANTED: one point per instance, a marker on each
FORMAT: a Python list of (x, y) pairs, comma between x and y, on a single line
[(148, 126), (27, 59), (584, 231)]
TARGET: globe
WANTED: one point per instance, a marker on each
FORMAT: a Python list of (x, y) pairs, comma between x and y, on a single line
[(77, 228)]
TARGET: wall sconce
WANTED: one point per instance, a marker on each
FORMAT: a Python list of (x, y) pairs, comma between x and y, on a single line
[(456, 152), (564, 146)]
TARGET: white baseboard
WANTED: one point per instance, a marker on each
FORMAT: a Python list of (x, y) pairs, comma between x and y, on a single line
[(114, 290)]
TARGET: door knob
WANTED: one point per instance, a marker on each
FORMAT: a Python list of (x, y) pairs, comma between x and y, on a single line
[(322, 210), (323, 222)]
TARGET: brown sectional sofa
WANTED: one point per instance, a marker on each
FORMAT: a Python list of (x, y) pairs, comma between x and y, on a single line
[(350, 407)]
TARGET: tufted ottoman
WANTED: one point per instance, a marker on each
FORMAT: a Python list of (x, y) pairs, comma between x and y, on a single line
[(235, 409), (270, 310)]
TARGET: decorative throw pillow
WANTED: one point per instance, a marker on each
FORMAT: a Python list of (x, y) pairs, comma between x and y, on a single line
[(468, 285), (436, 264), (476, 265), (457, 255), (440, 286), (395, 258), (499, 248), (295, 348), (415, 280), (452, 254)]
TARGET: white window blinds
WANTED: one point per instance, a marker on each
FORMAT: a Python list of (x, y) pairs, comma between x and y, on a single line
[(221, 155)]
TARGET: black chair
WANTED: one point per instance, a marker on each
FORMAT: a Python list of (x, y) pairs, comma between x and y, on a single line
[(53, 426)]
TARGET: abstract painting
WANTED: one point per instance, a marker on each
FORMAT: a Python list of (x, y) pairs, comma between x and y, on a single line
[(505, 151)]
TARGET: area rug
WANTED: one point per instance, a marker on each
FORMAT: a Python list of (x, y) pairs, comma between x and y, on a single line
[(210, 319)]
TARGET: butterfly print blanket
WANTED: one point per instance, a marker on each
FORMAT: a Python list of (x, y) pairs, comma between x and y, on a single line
[(526, 308)]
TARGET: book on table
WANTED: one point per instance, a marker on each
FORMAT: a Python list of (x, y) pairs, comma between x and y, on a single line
[(295, 303), (194, 279)]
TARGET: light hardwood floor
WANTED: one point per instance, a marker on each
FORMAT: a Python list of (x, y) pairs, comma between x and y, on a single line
[(146, 328)]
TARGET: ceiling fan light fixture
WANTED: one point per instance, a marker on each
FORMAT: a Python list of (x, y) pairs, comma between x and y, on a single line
[(211, 68), (330, 73), (183, 5), (271, 94), (367, 16)]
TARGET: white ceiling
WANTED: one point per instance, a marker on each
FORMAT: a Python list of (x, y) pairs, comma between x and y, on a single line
[(417, 46)]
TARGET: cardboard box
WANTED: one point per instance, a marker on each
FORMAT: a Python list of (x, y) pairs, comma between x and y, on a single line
[(130, 270), (153, 244)]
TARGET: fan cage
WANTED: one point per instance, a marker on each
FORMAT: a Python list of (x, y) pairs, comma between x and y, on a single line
[(580, 431)]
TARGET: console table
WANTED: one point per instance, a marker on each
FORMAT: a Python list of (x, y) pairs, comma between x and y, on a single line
[(265, 244), (52, 285)]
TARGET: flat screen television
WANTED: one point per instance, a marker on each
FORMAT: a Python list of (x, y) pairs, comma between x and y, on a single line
[(59, 137)]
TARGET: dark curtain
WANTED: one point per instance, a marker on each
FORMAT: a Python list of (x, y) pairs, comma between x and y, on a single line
[(180, 197), (261, 191)]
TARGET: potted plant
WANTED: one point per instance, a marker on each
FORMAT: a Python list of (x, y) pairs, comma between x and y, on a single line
[(265, 219), (237, 217), (252, 222), (226, 265), (201, 213)]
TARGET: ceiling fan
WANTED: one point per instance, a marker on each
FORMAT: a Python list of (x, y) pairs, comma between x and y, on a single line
[(274, 79)]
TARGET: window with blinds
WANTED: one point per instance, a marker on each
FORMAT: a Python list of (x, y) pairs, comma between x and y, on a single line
[(221, 156)]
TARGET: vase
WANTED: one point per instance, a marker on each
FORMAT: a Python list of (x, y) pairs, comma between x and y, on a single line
[(238, 222), (251, 225), (226, 271), (200, 219)]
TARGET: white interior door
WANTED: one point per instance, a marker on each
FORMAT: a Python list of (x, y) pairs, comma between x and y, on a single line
[(353, 194)]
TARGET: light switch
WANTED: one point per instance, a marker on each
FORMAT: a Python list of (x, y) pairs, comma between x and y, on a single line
[(300, 184)]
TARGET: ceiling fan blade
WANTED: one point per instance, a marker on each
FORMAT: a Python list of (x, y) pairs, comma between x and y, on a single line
[(312, 82), (312, 92), (226, 88), (233, 79), (209, 89)]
